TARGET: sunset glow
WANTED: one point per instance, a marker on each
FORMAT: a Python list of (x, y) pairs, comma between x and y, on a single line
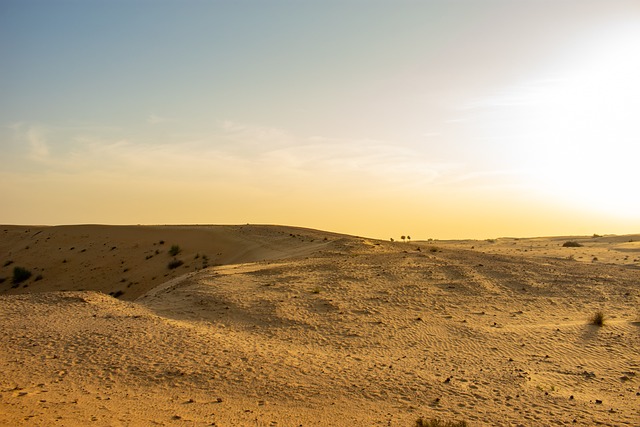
[(439, 119)]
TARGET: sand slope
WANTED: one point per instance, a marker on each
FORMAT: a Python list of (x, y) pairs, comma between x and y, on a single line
[(133, 259), (344, 331)]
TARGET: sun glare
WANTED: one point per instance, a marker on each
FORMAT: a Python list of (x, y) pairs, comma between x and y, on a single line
[(584, 146)]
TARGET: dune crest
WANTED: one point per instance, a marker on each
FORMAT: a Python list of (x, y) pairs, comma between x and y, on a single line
[(318, 329)]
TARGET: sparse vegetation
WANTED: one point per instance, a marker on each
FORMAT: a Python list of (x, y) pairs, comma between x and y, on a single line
[(7, 263), (2, 279), (116, 294), (174, 263), (38, 277), (571, 244), (436, 422), (175, 250), (20, 274), (315, 290), (598, 319)]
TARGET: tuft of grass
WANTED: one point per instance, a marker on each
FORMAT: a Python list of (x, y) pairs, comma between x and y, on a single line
[(174, 263), (20, 274), (571, 244), (598, 318), (436, 422), (175, 250)]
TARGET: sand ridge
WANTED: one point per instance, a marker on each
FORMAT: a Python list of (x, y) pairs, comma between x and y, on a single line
[(344, 331)]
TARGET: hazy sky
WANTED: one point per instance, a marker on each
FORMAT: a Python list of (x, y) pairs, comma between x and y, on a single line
[(443, 119)]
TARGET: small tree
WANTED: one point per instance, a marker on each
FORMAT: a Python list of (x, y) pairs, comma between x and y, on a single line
[(408, 238), (392, 239), (403, 238)]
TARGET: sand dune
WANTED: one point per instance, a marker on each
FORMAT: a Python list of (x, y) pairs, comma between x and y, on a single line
[(290, 327)]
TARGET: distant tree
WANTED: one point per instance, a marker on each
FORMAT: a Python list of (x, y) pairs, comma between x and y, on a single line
[(408, 237), (403, 238), (392, 239)]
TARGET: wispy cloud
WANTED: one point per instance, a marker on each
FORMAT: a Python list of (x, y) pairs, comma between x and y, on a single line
[(155, 119), (245, 155), (33, 140), (39, 149), (531, 93)]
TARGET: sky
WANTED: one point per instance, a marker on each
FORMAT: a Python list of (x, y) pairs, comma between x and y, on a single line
[(443, 119)]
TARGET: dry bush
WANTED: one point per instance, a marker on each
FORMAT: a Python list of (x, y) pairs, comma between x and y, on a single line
[(20, 274), (174, 263), (436, 422), (571, 244), (598, 319)]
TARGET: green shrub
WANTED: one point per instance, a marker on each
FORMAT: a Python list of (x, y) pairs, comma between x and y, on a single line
[(175, 250), (20, 274)]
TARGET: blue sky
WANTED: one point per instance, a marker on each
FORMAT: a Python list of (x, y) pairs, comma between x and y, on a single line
[(370, 117)]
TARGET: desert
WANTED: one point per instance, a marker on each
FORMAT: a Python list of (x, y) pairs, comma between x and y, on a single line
[(261, 325)]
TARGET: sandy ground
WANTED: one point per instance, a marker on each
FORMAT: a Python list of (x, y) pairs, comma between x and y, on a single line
[(293, 327)]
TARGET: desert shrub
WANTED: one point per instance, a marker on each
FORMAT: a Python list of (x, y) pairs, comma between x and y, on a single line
[(174, 263), (571, 244), (117, 294), (436, 422), (20, 274), (7, 263), (598, 318), (175, 250)]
